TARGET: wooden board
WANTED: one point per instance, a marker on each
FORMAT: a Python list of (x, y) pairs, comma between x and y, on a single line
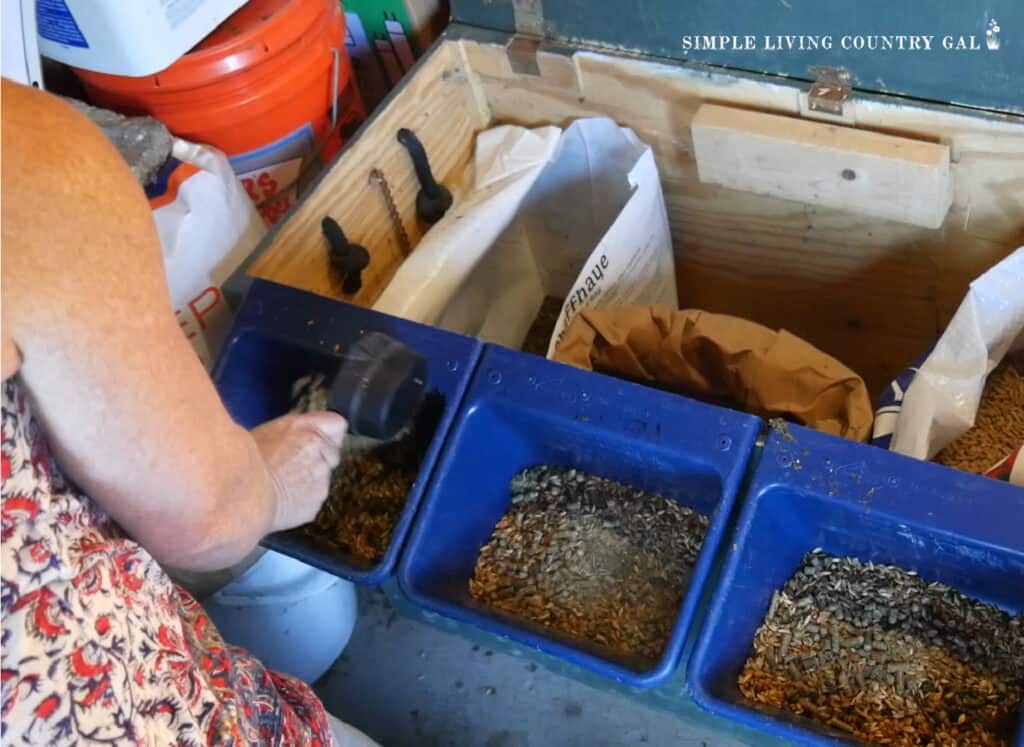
[(873, 292), (823, 164), (440, 106)]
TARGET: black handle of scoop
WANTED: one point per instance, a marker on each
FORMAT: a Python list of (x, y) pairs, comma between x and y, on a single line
[(379, 387)]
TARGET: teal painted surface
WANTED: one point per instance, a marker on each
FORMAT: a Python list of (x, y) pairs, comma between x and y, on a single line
[(671, 696), (969, 52)]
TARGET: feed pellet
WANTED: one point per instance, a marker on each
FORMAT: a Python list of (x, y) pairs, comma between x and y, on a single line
[(999, 424)]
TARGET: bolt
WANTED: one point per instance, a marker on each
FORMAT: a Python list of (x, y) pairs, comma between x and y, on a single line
[(348, 260), (433, 199)]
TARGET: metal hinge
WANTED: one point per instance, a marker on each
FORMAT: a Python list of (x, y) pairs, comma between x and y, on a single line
[(528, 16), (831, 88), (522, 48), (522, 55)]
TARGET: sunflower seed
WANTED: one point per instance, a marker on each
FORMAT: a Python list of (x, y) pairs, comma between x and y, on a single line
[(895, 659), (610, 563)]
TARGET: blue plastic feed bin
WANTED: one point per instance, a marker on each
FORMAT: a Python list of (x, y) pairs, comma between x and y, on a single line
[(523, 411), (282, 334), (811, 490)]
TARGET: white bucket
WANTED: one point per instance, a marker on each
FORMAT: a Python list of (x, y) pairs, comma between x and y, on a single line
[(139, 37), (295, 618)]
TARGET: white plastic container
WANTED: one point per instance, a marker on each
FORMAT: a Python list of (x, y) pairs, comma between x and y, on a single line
[(294, 618), (20, 44), (137, 37)]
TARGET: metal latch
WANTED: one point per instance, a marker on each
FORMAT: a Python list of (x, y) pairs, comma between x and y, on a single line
[(830, 89)]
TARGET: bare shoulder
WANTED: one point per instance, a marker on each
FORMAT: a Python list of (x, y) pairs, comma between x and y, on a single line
[(73, 217), (34, 116), (41, 130)]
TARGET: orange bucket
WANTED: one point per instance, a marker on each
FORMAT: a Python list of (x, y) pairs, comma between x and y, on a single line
[(272, 87)]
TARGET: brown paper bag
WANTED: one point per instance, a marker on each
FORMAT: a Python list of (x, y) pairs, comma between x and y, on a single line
[(723, 359)]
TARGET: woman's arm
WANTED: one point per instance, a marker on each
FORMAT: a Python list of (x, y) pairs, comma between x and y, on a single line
[(129, 411)]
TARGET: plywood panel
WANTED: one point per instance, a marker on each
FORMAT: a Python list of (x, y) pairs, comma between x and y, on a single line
[(873, 292)]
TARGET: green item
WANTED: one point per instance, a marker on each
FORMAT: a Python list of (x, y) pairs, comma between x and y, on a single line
[(374, 14)]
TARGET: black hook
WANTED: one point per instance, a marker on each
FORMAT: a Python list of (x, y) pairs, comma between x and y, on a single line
[(348, 260), (433, 199)]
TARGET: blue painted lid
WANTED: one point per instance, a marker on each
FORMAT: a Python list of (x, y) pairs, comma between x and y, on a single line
[(964, 52)]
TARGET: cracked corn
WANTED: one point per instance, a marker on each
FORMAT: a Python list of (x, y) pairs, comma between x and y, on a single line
[(369, 488), (591, 559), (879, 653)]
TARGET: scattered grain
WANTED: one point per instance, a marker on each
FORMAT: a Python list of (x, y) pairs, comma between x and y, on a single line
[(592, 559), (368, 489), (912, 657)]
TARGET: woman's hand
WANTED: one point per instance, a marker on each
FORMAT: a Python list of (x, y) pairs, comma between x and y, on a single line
[(301, 452)]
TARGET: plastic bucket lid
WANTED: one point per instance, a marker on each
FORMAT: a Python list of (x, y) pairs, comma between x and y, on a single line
[(276, 579)]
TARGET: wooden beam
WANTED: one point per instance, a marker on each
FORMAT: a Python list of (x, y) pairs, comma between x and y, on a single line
[(820, 164)]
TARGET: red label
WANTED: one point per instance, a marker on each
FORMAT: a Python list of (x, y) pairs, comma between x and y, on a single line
[(272, 188), (193, 318)]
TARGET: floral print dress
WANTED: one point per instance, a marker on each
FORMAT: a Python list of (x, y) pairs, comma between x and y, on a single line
[(100, 646)]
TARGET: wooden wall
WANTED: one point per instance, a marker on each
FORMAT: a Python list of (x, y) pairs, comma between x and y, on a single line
[(873, 292)]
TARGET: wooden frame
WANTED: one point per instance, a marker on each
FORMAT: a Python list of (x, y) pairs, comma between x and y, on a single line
[(875, 293)]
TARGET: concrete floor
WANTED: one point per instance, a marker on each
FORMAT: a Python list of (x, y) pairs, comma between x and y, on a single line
[(406, 683)]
